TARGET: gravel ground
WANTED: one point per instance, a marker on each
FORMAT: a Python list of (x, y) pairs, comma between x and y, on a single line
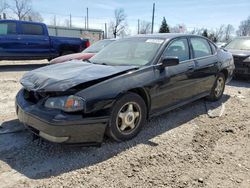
[(199, 145)]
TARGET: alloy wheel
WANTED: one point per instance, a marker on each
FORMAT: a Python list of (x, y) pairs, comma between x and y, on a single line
[(128, 118)]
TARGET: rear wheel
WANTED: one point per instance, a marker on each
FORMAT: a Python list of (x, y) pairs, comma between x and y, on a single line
[(218, 88), (127, 117)]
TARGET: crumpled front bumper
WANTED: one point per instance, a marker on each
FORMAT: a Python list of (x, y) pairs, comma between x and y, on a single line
[(57, 126)]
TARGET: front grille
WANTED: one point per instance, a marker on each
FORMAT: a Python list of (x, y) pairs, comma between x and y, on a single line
[(32, 96), (238, 62)]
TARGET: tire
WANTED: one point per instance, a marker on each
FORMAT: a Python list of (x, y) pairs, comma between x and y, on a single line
[(126, 121), (67, 52), (218, 88)]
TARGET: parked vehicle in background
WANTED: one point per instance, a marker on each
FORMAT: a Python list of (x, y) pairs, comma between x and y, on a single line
[(22, 40), (240, 48), (123, 85), (85, 54), (221, 44)]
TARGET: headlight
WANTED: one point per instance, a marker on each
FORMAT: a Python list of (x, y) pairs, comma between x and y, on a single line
[(247, 59), (66, 103)]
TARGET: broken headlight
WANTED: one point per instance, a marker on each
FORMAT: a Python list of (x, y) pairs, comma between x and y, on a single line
[(66, 103)]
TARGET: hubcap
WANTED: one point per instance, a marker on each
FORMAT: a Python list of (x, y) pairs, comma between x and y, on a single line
[(128, 117), (219, 87)]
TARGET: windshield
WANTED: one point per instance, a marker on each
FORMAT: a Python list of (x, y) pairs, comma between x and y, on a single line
[(133, 51), (239, 44), (97, 46)]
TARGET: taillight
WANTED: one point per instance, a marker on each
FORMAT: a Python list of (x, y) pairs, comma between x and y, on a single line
[(87, 44)]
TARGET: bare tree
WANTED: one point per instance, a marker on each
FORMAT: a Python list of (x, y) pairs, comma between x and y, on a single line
[(34, 16), (3, 6), (244, 28), (117, 26), (21, 8), (229, 29), (145, 27), (181, 28)]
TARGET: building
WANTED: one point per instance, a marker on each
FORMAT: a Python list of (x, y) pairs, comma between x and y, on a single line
[(92, 34)]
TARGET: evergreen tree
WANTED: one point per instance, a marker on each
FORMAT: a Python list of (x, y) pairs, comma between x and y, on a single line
[(164, 26)]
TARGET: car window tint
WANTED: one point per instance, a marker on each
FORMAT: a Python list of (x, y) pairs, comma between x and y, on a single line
[(7, 28), (32, 29), (201, 47), (178, 48)]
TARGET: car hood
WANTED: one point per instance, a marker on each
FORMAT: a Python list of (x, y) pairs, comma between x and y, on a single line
[(61, 77), (79, 56), (239, 52)]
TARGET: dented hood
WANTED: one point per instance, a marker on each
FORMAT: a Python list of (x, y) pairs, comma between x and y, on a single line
[(61, 77)]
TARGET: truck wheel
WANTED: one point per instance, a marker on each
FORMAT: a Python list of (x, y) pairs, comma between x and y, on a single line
[(127, 117), (67, 52), (218, 88)]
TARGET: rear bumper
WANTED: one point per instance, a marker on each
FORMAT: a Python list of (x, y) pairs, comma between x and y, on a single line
[(59, 127)]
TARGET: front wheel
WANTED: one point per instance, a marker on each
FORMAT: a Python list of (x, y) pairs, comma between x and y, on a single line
[(218, 88), (127, 117)]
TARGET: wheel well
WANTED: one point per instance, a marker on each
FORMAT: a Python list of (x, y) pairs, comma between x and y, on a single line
[(225, 72), (143, 94)]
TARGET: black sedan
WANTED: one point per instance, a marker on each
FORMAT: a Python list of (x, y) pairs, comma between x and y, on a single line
[(117, 90), (240, 48)]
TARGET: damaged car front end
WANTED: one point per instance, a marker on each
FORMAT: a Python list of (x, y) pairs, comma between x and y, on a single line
[(49, 104)]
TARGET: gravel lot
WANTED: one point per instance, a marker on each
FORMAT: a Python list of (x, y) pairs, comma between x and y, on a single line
[(183, 148)]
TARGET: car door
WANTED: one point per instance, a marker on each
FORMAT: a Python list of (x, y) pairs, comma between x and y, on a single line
[(206, 64), (35, 40), (175, 83), (9, 43)]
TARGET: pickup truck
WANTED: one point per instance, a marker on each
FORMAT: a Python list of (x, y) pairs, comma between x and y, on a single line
[(22, 40)]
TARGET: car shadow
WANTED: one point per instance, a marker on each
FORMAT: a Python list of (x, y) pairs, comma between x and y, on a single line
[(40, 159), (21, 67), (240, 83)]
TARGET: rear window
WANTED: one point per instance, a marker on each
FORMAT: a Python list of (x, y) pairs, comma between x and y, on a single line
[(7, 28), (201, 47), (32, 29)]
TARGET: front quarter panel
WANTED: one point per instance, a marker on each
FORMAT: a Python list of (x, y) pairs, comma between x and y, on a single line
[(102, 95)]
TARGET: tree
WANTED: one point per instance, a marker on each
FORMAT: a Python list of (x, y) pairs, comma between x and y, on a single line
[(181, 28), (164, 26), (21, 8), (145, 27), (244, 28), (118, 26), (205, 33), (229, 30), (3, 6), (34, 16)]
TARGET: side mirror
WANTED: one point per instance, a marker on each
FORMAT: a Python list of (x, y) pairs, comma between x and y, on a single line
[(169, 61)]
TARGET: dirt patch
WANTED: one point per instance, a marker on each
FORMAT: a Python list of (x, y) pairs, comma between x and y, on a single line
[(183, 148)]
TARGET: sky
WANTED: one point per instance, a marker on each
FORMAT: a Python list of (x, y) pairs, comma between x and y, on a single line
[(193, 13)]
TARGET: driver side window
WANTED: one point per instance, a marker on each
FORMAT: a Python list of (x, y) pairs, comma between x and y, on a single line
[(178, 48)]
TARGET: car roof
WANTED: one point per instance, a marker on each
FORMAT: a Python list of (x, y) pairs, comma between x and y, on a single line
[(21, 21)]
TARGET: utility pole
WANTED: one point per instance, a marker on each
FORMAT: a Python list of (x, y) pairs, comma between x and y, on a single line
[(70, 21), (87, 17), (106, 33), (54, 20), (138, 27), (153, 19)]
